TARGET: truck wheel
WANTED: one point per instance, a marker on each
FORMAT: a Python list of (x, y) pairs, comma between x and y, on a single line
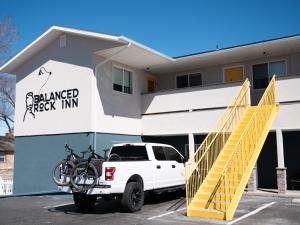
[(133, 197), (84, 201)]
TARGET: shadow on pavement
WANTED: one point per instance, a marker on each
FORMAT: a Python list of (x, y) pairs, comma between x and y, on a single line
[(113, 206)]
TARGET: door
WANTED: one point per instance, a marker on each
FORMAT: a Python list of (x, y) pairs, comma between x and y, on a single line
[(161, 168), (151, 84), (233, 74), (174, 166)]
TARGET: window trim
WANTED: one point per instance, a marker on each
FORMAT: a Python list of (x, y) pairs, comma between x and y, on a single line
[(112, 79), (188, 74), (268, 63), (233, 66), (4, 158)]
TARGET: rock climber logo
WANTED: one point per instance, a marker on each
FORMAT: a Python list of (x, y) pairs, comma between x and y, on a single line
[(29, 105), (29, 100)]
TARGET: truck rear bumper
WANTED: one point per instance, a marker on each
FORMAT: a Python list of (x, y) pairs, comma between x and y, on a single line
[(97, 190)]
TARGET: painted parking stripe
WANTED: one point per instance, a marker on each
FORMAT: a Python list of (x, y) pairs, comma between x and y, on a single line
[(251, 213), (55, 206), (165, 214)]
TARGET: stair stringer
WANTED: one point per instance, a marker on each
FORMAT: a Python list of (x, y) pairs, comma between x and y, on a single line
[(244, 180), (213, 169)]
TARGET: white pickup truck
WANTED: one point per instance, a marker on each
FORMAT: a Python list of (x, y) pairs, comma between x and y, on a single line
[(131, 170)]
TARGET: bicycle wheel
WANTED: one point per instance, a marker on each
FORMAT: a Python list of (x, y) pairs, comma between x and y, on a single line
[(62, 172), (84, 176)]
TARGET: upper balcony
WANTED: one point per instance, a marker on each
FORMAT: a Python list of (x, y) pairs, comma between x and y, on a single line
[(189, 99)]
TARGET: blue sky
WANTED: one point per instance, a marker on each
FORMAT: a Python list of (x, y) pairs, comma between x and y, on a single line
[(171, 27)]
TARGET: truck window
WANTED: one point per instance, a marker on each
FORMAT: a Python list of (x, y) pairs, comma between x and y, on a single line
[(172, 154), (130, 152), (159, 153)]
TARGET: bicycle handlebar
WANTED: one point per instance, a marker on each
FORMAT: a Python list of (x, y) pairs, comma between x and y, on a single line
[(68, 148)]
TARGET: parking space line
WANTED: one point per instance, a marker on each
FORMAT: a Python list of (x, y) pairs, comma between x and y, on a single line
[(251, 213), (55, 206), (165, 214)]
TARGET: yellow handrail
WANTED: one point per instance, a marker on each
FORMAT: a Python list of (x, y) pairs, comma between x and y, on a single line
[(198, 166), (246, 148)]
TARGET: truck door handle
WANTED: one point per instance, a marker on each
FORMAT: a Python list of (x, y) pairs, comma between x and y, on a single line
[(173, 166), (158, 166)]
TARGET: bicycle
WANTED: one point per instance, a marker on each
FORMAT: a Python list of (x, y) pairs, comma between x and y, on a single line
[(85, 174), (62, 170)]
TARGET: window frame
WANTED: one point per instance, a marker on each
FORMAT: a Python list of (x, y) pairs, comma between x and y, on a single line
[(112, 79), (4, 157), (188, 74), (268, 63), (233, 66)]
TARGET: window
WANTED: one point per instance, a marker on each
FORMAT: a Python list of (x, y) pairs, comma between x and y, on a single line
[(260, 76), (130, 152), (172, 154), (159, 153), (122, 80), (263, 73), (189, 80), (2, 156)]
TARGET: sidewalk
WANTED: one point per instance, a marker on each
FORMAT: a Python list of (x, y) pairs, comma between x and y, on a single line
[(273, 193)]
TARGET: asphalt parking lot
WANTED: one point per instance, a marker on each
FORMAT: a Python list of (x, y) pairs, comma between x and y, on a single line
[(159, 209)]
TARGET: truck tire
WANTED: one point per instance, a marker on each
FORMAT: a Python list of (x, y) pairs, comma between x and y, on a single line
[(83, 201), (133, 197)]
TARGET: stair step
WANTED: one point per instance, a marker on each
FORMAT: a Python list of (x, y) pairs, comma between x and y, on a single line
[(212, 196), (218, 205), (211, 188), (215, 181), (206, 213)]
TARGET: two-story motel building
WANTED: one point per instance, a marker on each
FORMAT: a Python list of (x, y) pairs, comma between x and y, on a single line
[(81, 88)]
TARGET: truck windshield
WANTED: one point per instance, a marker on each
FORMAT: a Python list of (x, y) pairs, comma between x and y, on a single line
[(130, 153)]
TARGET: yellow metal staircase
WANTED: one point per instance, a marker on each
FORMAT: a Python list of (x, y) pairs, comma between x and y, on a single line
[(219, 170)]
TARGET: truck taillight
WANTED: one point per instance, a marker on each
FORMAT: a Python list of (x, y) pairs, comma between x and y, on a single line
[(109, 173)]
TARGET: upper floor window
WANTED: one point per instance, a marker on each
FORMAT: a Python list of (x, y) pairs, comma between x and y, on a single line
[(122, 80), (189, 80), (2, 156), (262, 73)]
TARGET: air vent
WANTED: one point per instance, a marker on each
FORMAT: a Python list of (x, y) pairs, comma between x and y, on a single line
[(63, 41)]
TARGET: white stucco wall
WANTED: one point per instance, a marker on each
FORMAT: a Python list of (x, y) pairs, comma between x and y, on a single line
[(100, 109), (71, 67), (288, 95), (210, 101), (199, 122), (192, 98), (117, 112)]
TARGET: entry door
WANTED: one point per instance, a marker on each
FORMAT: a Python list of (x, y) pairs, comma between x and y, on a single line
[(233, 74), (151, 84)]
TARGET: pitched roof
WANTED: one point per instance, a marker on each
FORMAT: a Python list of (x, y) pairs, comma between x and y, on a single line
[(144, 57)]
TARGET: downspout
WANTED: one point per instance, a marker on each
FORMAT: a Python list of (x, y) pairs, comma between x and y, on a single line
[(97, 67)]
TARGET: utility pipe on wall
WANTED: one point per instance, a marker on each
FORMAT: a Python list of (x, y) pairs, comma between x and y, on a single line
[(97, 67)]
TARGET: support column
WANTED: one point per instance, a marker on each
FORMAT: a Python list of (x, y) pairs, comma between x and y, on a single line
[(281, 169), (252, 182), (191, 145)]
